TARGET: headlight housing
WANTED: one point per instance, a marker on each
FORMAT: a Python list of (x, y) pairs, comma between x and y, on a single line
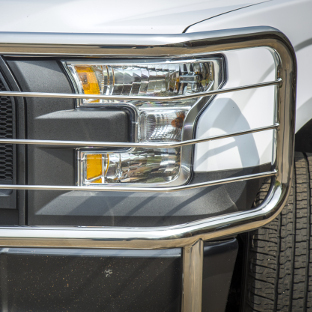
[(156, 121)]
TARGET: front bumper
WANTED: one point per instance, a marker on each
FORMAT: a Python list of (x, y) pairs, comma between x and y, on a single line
[(54, 279)]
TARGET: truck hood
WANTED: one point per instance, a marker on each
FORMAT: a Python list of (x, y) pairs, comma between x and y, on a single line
[(124, 16)]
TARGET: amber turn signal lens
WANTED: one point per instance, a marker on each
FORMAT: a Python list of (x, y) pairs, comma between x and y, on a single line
[(94, 167), (88, 80)]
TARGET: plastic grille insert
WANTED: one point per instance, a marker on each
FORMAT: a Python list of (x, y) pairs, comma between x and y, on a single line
[(6, 131)]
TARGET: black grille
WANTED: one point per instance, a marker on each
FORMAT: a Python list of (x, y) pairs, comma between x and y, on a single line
[(6, 131)]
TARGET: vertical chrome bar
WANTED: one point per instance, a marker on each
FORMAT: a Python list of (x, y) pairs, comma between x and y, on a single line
[(192, 281)]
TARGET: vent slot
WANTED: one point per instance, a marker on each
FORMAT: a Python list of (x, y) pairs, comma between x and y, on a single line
[(6, 131)]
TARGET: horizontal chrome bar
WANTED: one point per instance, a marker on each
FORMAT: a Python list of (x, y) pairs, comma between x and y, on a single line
[(137, 98), (86, 45), (146, 237), (119, 188), (129, 144)]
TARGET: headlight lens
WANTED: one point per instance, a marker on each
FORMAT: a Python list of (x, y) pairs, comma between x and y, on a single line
[(157, 121), (143, 80)]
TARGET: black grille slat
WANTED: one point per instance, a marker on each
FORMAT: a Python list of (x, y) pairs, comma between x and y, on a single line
[(6, 131)]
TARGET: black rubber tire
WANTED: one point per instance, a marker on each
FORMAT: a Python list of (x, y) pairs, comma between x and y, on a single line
[(279, 256)]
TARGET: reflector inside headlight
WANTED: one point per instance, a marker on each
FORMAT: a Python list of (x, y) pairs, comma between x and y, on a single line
[(158, 121)]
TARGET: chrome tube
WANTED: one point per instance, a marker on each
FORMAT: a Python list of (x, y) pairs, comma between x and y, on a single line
[(161, 237), (193, 257), (137, 98), (130, 144), (113, 188)]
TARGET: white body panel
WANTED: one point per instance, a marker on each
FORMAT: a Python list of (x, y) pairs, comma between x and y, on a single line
[(100, 16), (237, 111), (293, 19)]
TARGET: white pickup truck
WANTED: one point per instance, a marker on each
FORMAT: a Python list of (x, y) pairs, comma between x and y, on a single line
[(155, 155)]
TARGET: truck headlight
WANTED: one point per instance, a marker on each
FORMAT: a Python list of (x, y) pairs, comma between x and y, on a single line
[(158, 121)]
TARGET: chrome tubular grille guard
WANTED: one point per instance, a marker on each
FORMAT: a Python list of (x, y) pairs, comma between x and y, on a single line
[(189, 236)]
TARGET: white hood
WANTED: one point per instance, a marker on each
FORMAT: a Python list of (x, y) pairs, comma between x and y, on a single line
[(124, 16)]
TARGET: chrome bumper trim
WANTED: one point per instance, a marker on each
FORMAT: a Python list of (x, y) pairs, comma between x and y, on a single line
[(161, 237)]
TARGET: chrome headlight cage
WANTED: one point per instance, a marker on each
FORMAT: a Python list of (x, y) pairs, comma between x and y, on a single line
[(189, 236)]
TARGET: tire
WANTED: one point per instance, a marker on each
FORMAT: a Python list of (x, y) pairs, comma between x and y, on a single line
[(279, 259)]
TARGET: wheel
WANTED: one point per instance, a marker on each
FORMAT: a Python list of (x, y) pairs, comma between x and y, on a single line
[(279, 255)]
